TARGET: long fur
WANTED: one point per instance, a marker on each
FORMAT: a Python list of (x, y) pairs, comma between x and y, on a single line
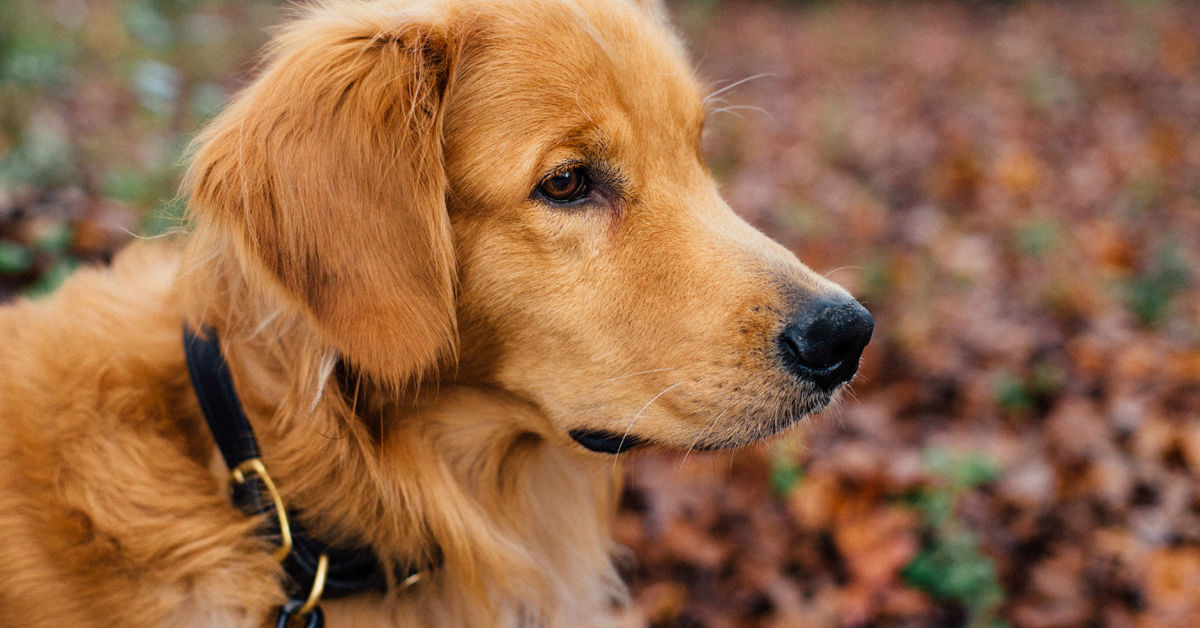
[(412, 332)]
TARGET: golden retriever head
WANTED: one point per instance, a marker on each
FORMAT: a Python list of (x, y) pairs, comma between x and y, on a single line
[(510, 193)]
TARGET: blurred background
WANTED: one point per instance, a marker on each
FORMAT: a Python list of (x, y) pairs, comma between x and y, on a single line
[(1013, 190)]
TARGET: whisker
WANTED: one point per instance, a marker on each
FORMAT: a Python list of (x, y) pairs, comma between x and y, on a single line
[(731, 108), (836, 412), (702, 434), (621, 444), (726, 110), (613, 379), (735, 84), (167, 233), (841, 268)]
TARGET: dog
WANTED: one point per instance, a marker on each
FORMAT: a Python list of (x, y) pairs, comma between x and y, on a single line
[(453, 255)]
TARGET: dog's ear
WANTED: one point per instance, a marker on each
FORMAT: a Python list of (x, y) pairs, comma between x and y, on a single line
[(327, 173)]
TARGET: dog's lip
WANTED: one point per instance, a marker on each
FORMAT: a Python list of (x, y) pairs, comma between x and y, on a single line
[(605, 442)]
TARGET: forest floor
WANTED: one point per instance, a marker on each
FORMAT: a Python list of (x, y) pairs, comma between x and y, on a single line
[(1013, 190)]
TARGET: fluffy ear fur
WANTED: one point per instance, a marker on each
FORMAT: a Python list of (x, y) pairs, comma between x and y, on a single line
[(655, 8), (327, 172)]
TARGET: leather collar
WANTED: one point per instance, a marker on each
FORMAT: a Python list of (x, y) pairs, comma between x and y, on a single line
[(348, 570)]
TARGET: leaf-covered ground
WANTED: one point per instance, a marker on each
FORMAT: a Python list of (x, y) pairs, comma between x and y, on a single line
[(1013, 189)]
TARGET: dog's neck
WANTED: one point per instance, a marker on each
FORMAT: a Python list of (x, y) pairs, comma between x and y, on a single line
[(472, 473)]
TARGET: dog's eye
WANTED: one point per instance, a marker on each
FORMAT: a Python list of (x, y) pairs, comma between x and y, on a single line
[(566, 185)]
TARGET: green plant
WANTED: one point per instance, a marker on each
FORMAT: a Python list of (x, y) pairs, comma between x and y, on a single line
[(1037, 237), (1013, 393), (52, 278), (1150, 294), (951, 565), (14, 258), (55, 243), (786, 469), (1022, 393)]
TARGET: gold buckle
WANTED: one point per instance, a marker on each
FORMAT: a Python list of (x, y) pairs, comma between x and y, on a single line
[(318, 587), (255, 466)]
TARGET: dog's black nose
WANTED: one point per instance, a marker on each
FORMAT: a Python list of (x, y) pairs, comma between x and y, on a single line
[(825, 339)]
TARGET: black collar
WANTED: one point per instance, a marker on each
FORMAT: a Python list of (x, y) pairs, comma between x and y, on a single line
[(349, 570)]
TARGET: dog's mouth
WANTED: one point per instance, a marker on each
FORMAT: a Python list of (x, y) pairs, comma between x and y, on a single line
[(766, 423), (605, 442)]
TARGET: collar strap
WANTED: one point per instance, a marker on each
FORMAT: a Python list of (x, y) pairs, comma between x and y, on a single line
[(313, 568)]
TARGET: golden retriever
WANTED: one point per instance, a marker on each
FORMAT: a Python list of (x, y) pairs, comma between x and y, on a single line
[(455, 251)]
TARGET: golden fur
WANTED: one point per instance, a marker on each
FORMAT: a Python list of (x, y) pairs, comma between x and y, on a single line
[(368, 199)]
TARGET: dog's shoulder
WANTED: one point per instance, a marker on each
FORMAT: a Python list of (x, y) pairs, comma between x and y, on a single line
[(103, 471), (106, 305), (109, 337)]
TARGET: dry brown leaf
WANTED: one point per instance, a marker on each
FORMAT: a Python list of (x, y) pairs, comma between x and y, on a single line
[(1172, 589)]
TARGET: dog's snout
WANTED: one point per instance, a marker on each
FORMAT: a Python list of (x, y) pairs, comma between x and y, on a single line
[(824, 341)]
